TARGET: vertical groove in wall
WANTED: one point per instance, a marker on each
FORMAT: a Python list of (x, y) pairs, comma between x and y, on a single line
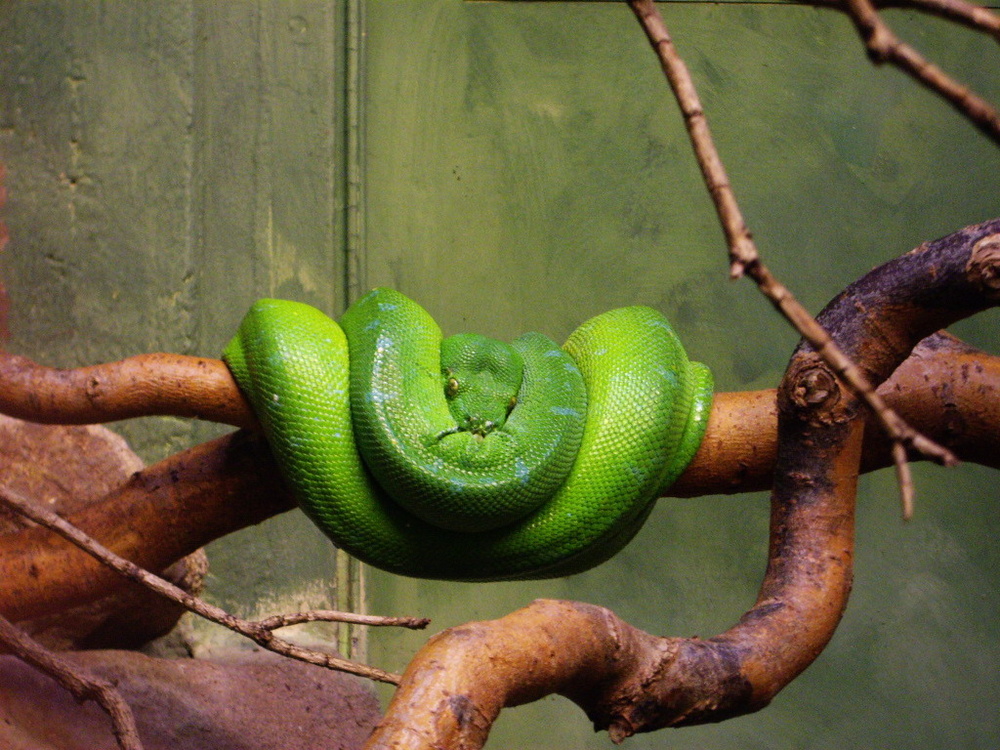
[(261, 63), (350, 581), (354, 90), (192, 230)]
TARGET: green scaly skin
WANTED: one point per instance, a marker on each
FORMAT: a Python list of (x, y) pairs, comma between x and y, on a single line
[(406, 410), (441, 471)]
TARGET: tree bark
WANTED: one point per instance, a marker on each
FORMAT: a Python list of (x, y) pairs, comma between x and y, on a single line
[(160, 515)]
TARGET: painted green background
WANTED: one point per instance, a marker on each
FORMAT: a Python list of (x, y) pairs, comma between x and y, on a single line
[(519, 166)]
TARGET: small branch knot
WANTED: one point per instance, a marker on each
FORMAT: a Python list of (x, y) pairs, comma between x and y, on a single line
[(815, 387), (983, 268)]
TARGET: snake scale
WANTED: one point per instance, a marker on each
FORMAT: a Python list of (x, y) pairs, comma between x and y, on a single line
[(465, 458)]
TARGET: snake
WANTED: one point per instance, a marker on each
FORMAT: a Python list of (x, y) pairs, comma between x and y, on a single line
[(466, 458)]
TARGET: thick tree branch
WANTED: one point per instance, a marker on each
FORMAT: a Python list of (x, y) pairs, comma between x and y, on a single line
[(947, 389), (162, 514), (260, 632), (629, 681), (139, 386)]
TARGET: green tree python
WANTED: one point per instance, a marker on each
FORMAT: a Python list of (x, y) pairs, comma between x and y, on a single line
[(466, 458)]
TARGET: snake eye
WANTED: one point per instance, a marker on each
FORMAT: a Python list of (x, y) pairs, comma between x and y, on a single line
[(451, 388), (511, 404)]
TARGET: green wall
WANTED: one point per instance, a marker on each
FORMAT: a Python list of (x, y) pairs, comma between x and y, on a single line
[(519, 166)]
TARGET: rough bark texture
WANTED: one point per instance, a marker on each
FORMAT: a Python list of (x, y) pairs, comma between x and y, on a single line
[(70, 469), (158, 516)]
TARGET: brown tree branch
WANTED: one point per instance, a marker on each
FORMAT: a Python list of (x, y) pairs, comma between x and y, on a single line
[(198, 495), (260, 632), (884, 46), (946, 388), (628, 681), (139, 386)]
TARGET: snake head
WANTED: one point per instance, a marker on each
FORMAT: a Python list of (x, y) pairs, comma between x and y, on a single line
[(481, 378)]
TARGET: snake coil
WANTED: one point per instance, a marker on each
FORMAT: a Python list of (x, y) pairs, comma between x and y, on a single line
[(466, 458)]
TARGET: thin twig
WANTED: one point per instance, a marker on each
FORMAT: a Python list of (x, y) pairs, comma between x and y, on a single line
[(81, 686), (970, 15), (261, 632), (745, 259), (885, 47), (274, 622)]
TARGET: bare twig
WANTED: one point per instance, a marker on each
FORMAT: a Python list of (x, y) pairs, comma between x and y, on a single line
[(744, 258), (274, 622), (81, 686), (968, 14), (885, 47), (261, 632)]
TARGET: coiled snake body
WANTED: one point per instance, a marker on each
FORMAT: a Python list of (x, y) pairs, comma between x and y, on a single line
[(466, 458)]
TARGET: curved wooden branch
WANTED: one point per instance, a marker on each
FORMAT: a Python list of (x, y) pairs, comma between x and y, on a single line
[(162, 514), (629, 681), (140, 386), (945, 388)]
